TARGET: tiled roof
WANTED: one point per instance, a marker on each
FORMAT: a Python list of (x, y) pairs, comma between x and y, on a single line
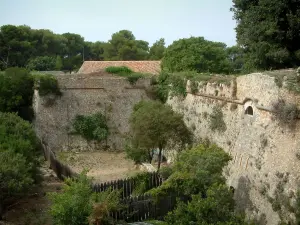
[(152, 67)]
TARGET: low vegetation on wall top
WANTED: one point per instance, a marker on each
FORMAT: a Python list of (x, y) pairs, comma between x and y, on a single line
[(46, 84), (124, 71)]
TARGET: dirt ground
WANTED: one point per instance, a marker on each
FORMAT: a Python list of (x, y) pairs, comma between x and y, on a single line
[(102, 166)]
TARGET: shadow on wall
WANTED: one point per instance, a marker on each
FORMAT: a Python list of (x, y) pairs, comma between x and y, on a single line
[(242, 195)]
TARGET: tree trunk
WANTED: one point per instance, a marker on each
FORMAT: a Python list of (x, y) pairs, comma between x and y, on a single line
[(1, 211), (159, 158), (150, 156)]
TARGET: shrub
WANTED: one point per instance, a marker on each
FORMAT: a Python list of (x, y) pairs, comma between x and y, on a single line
[(19, 159), (16, 91), (134, 77), (216, 208), (285, 113), (216, 120), (118, 70), (124, 71), (77, 204), (141, 183), (138, 154), (194, 171), (92, 127), (165, 172), (47, 84), (15, 177)]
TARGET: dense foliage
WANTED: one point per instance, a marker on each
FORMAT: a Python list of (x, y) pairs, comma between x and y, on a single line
[(194, 171), (217, 208), (46, 84), (16, 91), (196, 179), (154, 125), (268, 31), (42, 63), (196, 54), (91, 127), (19, 157), (77, 204), (41, 49)]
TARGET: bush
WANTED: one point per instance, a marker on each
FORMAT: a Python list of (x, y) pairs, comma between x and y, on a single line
[(124, 71), (47, 84), (138, 154), (194, 171), (285, 113), (118, 70), (91, 127), (216, 120), (216, 208), (15, 176), (19, 157), (77, 204), (141, 183), (134, 77), (16, 91)]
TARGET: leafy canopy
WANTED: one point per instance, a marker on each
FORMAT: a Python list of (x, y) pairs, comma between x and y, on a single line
[(154, 125), (268, 31), (19, 157), (216, 208), (16, 90), (196, 54), (194, 171)]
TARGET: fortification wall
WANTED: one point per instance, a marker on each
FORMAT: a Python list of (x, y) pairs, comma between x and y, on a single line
[(266, 163), (85, 95)]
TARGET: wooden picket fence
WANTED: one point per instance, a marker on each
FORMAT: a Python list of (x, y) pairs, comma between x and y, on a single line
[(127, 185), (141, 208)]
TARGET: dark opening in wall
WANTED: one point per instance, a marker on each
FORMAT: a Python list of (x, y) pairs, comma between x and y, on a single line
[(249, 110)]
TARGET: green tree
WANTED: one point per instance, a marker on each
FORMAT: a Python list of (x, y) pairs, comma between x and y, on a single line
[(73, 55), (157, 50), (19, 157), (15, 46), (194, 171), (236, 58), (217, 207), (16, 91), (154, 125), (42, 63), (196, 54), (268, 31), (124, 46), (58, 63)]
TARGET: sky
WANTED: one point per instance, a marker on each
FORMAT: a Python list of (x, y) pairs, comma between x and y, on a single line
[(149, 20)]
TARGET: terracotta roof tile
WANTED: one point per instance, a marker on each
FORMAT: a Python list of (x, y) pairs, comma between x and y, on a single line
[(152, 67)]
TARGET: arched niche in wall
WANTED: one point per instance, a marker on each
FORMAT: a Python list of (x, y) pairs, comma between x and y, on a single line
[(249, 108)]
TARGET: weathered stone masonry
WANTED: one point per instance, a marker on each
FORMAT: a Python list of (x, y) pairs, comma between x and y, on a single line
[(85, 95), (264, 154)]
